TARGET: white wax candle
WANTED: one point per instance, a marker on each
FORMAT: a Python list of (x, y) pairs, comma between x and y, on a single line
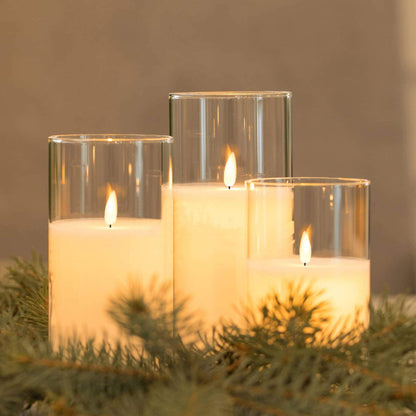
[(210, 246), (90, 263), (345, 283)]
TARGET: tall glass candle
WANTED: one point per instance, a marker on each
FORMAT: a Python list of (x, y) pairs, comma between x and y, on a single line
[(108, 228), (221, 140), (328, 251)]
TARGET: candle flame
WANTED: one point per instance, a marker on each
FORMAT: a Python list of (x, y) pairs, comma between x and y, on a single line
[(230, 171), (110, 213), (305, 249)]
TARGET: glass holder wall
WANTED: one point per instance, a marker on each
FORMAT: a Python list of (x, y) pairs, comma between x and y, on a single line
[(109, 226), (320, 244), (221, 140)]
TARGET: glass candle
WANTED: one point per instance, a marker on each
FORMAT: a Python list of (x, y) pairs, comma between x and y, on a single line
[(326, 250), (221, 140), (109, 226)]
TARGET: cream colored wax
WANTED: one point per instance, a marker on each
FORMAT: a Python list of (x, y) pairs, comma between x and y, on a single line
[(90, 263), (210, 247), (344, 282)]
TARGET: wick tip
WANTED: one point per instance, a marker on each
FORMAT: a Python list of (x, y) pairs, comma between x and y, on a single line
[(303, 263), (110, 225), (229, 187)]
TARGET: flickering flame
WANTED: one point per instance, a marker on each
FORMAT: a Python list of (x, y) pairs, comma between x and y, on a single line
[(305, 249), (230, 171), (110, 213)]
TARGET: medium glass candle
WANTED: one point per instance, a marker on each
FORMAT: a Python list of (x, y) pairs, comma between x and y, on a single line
[(221, 140), (326, 250), (108, 226)]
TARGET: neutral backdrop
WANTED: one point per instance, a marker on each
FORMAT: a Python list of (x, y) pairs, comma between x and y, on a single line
[(74, 66)]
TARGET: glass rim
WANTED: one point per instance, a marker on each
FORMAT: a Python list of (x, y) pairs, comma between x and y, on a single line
[(229, 94), (305, 181), (110, 138)]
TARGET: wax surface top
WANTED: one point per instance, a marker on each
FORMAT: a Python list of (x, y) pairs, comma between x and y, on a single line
[(98, 224), (317, 263), (206, 189)]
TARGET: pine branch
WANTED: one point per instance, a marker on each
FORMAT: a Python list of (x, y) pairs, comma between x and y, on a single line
[(401, 391), (278, 364), (24, 293), (67, 365), (385, 331), (264, 409)]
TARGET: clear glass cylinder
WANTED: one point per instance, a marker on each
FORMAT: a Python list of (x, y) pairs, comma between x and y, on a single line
[(207, 126), (110, 225), (221, 140), (322, 243)]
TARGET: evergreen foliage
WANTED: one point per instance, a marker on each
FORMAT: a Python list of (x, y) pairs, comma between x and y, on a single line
[(280, 363)]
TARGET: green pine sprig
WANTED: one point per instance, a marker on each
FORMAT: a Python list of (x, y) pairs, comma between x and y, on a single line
[(280, 362)]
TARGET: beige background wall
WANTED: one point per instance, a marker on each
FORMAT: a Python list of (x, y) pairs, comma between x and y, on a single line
[(108, 65)]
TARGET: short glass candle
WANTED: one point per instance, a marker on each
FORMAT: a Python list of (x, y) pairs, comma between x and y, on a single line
[(108, 227), (324, 247), (222, 138)]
